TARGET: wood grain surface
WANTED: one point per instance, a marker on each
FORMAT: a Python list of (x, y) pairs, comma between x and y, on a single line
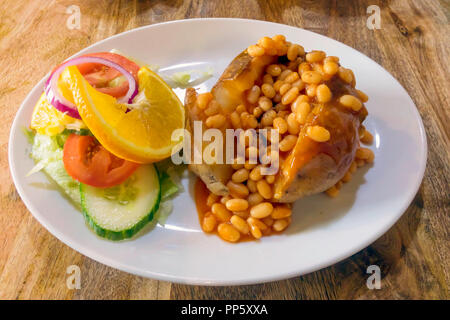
[(412, 44)]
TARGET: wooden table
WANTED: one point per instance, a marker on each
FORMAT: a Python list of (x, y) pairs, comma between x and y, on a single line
[(412, 44)]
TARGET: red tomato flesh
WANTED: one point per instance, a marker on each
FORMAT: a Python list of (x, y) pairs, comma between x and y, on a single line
[(99, 75), (88, 162)]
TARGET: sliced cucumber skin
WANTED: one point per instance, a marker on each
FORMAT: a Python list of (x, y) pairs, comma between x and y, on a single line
[(123, 234)]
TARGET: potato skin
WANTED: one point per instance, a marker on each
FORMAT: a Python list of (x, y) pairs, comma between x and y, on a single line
[(333, 158)]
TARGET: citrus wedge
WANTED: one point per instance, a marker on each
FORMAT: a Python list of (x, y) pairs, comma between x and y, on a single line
[(141, 135), (47, 120)]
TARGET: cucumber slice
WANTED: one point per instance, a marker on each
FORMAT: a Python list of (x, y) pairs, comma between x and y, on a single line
[(119, 212)]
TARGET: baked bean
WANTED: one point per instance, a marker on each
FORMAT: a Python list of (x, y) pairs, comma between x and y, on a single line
[(280, 225), (311, 90), (302, 112), (353, 167), (270, 179), (228, 232), (268, 221), (251, 152), (237, 164), (323, 93), (249, 166), (255, 174), (299, 84), (243, 214), (267, 79), (367, 137), (333, 192), (237, 204), (281, 212), (268, 90), (215, 121), (347, 177), (244, 117), (318, 67), (365, 154), (224, 199), (318, 133), (284, 111), (303, 67), (253, 94), (221, 212), (241, 108), (293, 52), (345, 75), (254, 198), (277, 85), (315, 56), (277, 98), (255, 231), (257, 112), (240, 224), (255, 51), (284, 74), (256, 222), (331, 59), (264, 189), (301, 98), (290, 96), (274, 70), (351, 102), (237, 190), (262, 210), (203, 99), (292, 77), (212, 109), (362, 96), (293, 124), (360, 163), (240, 175), (209, 222), (250, 122), (330, 67), (288, 143), (268, 44), (285, 88), (268, 117), (265, 103), (235, 120), (279, 38), (280, 124), (311, 77), (212, 198)]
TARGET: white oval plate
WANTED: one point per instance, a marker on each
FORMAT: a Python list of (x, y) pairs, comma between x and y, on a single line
[(324, 231)]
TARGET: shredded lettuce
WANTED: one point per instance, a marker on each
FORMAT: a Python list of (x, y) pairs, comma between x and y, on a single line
[(170, 181), (29, 134), (168, 187), (191, 78)]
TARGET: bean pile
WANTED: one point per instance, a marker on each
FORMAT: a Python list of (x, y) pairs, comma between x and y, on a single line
[(288, 92)]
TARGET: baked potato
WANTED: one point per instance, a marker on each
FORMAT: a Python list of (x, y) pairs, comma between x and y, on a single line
[(311, 165)]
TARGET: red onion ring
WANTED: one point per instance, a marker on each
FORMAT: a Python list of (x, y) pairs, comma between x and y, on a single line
[(64, 105)]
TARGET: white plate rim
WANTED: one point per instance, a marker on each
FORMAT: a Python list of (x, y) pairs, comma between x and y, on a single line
[(194, 281)]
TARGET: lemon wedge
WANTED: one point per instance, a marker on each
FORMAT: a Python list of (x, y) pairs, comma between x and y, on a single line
[(47, 120), (144, 134)]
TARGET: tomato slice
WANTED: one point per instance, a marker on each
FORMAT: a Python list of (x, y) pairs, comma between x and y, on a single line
[(88, 162), (99, 76)]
